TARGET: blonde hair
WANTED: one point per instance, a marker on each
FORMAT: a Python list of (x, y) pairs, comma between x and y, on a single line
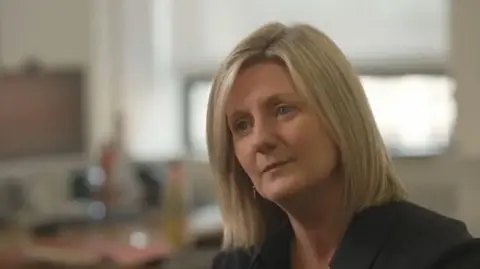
[(323, 76)]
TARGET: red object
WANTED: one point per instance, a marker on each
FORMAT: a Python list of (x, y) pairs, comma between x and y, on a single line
[(119, 253), (107, 161), (11, 258)]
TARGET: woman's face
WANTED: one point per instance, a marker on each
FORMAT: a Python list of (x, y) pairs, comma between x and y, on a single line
[(278, 140)]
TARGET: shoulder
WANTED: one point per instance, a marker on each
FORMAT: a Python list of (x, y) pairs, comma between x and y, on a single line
[(427, 225), (466, 255), (418, 235), (238, 258), (408, 221)]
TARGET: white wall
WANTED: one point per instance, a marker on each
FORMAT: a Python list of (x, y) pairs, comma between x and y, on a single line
[(55, 31), (465, 67)]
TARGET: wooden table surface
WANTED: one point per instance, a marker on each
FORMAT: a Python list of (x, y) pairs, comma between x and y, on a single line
[(126, 242)]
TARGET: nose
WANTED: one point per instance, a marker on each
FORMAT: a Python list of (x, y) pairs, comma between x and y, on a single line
[(263, 139)]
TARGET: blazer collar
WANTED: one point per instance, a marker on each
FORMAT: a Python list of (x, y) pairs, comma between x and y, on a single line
[(359, 248), (365, 237), (275, 251)]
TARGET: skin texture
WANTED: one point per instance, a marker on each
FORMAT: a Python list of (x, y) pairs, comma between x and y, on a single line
[(271, 124)]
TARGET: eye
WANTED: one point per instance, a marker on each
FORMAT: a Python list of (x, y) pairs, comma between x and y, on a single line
[(241, 126), (283, 109)]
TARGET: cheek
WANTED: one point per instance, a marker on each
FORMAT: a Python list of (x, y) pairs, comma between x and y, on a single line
[(326, 156), (319, 151), (245, 158)]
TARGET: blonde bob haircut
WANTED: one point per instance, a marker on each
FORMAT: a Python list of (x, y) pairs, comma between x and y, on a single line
[(322, 76)]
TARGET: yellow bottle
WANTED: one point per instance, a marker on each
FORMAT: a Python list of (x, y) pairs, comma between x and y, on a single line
[(174, 209)]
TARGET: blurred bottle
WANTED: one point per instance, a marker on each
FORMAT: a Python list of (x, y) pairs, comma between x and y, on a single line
[(120, 189), (107, 160), (174, 210)]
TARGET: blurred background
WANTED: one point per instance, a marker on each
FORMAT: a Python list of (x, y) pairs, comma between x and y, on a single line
[(103, 104)]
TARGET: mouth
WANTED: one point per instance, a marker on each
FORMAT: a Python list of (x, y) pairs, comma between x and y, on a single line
[(275, 165)]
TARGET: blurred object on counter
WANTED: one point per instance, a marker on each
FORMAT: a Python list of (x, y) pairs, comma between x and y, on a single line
[(174, 210), (80, 185), (205, 227), (33, 65), (120, 189), (94, 253), (105, 246), (152, 187), (13, 198), (107, 160), (200, 185)]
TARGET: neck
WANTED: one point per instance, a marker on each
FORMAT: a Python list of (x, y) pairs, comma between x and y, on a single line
[(318, 227)]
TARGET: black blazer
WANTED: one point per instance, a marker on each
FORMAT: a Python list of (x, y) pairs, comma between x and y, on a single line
[(462, 256), (397, 235)]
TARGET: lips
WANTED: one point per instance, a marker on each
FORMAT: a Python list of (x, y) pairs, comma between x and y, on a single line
[(275, 165)]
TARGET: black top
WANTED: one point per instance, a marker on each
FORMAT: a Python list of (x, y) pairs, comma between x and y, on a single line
[(462, 256), (398, 235)]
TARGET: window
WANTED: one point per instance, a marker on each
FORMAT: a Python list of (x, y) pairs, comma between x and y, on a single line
[(415, 113), (197, 114)]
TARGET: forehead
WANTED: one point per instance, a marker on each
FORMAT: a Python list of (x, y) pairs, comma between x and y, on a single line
[(260, 80)]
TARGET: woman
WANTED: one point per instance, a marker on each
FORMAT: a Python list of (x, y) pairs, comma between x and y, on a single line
[(304, 177)]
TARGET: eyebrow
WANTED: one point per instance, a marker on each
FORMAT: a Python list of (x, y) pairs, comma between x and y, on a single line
[(280, 96), (270, 99)]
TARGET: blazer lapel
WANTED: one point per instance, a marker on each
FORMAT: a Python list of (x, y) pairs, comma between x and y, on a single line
[(366, 235), (364, 239), (275, 251)]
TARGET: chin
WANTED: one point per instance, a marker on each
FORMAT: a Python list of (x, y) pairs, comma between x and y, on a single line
[(283, 188)]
